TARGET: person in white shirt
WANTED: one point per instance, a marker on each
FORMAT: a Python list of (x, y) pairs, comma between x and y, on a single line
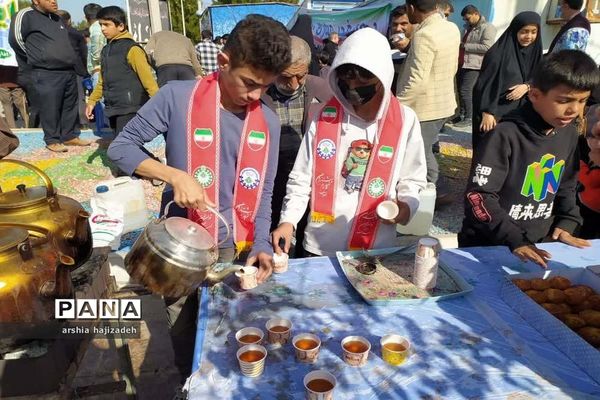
[(363, 119)]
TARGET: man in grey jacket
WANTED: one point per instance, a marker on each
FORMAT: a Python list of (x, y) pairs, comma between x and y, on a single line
[(478, 37)]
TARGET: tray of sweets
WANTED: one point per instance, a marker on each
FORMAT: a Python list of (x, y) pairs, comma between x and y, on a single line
[(565, 308), (384, 276)]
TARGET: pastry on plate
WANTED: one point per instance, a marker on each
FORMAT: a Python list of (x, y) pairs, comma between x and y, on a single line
[(559, 282)]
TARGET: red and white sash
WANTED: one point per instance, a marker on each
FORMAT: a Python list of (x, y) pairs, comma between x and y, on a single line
[(203, 145), (377, 180)]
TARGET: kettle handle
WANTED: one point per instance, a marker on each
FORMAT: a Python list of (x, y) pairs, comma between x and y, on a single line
[(49, 187), (212, 210)]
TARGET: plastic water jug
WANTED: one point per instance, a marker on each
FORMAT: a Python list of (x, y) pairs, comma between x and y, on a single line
[(124, 195), (421, 222)]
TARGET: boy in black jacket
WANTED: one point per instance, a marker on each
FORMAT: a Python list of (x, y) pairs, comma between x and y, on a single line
[(126, 81), (522, 183)]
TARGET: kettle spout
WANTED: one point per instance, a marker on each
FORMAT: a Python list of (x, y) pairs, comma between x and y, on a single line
[(82, 229), (213, 277), (62, 286)]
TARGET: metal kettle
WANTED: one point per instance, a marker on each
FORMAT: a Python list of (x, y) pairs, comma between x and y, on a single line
[(173, 256), (41, 206), (32, 274)]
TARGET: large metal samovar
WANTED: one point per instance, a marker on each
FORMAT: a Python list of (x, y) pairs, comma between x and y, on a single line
[(41, 206), (32, 275)]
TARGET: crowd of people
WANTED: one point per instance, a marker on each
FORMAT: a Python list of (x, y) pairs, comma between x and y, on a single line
[(298, 162)]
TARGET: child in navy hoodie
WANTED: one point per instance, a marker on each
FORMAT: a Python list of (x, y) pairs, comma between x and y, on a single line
[(521, 188)]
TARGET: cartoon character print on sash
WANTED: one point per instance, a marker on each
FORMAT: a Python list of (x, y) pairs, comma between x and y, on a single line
[(377, 174), (356, 164)]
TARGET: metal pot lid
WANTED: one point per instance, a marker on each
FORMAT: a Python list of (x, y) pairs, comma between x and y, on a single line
[(189, 233), (22, 197), (10, 237)]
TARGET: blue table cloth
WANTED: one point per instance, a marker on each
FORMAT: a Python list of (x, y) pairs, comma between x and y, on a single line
[(470, 347)]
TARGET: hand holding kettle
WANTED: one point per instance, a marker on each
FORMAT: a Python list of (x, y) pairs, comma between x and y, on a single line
[(188, 193)]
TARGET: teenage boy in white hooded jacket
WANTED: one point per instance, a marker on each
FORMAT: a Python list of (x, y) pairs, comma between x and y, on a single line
[(362, 109)]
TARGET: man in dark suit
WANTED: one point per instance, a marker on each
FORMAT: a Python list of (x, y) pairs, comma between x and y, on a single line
[(290, 97)]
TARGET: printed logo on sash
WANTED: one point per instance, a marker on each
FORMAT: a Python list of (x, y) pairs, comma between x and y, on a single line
[(203, 137), (257, 140), (205, 176), (249, 178), (385, 153), (376, 187), (329, 114), (326, 149)]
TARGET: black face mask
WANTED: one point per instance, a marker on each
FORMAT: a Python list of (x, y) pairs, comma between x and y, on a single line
[(359, 95)]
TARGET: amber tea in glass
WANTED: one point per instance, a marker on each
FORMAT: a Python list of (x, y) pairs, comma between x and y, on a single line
[(250, 339), (306, 344), (320, 385), (252, 356), (356, 346), (395, 346)]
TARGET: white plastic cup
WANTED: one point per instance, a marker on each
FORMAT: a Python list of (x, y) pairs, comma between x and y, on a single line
[(319, 375), (387, 210), (253, 368), (278, 337), (247, 277), (356, 359), (426, 263), (280, 263), (249, 331), (306, 355)]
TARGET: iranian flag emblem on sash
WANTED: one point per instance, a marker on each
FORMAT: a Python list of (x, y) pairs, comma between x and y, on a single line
[(329, 114), (256, 140), (203, 137), (385, 153)]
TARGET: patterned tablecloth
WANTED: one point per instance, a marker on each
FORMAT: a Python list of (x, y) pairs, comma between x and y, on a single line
[(469, 347)]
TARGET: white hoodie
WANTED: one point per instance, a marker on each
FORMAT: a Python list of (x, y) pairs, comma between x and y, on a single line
[(370, 50)]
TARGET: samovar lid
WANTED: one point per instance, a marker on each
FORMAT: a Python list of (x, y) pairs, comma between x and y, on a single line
[(23, 196), (11, 237)]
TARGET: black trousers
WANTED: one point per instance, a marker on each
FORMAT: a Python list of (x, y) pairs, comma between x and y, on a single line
[(25, 80), (466, 82), (55, 98), (174, 72), (118, 122)]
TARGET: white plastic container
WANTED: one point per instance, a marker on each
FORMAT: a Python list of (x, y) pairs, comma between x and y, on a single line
[(421, 222), (125, 193)]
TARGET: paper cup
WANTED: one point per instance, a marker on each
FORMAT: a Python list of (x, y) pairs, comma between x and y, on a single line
[(280, 263), (252, 359), (387, 210), (355, 350), (319, 385), (428, 247), (247, 278), (306, 354), (250, 331), (275, 333), (397, 351)]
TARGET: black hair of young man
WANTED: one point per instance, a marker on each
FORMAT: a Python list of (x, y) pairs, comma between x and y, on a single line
[(398, 12), (571, 68), (423, 5), (470, 9), (91, 11), (114, 14), (206, 34), (260, 42), (574, 4)]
